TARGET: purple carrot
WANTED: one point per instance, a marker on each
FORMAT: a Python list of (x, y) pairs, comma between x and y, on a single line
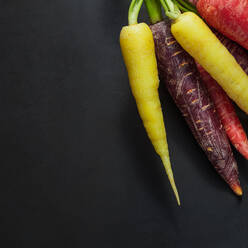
[(179, 72), (238, 52)]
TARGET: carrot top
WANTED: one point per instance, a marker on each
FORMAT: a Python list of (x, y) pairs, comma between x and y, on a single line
[(184, 6), (133, 11), (172, 7), (154, 10)]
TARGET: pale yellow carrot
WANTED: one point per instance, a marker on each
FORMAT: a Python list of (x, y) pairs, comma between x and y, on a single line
[(138, 51)]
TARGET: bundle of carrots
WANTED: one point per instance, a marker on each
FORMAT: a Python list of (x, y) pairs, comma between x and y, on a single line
[(202, 69)]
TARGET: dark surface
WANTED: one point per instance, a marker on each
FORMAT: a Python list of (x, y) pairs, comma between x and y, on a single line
[(77, 169)]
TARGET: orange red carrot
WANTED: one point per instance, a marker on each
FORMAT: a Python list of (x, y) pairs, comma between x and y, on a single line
[(226, 112), (230, 17)]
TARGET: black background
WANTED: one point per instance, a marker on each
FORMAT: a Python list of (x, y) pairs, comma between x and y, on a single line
[(76, 167)]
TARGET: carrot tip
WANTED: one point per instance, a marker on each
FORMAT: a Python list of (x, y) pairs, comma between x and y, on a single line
[(178, 200), (237, 189), (167, 165)]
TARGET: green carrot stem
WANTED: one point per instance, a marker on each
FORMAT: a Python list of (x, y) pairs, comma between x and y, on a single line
[(133, 11), (154, 10), (171, 9), (190, 4), (182, 8), (187, 6)]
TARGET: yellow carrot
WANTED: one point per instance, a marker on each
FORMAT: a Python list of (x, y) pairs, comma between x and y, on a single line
[(138, 51), (199, 41)]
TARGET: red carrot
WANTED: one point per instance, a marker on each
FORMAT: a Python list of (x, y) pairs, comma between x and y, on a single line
[(226, 112), (238, 52), (230, 17)]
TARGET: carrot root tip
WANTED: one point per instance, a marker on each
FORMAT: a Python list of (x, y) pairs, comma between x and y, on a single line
[(237, 189)]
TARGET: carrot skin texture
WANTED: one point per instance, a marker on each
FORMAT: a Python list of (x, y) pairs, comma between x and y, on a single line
[(179, 72), (138, 51), (230, 17), (200, 42), (226, 112)]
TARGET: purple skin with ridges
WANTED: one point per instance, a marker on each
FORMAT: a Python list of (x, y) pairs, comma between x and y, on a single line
[(179, 72), (238, 52)]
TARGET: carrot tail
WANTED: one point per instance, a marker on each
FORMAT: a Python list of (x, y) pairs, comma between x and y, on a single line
[(237, 189), (169, 173), (234, 182)]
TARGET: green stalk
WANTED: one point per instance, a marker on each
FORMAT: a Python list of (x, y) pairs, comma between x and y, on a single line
[(185, 6), (190, 4), (133, 11), (154, 10), (171, 9), (181, 7)]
